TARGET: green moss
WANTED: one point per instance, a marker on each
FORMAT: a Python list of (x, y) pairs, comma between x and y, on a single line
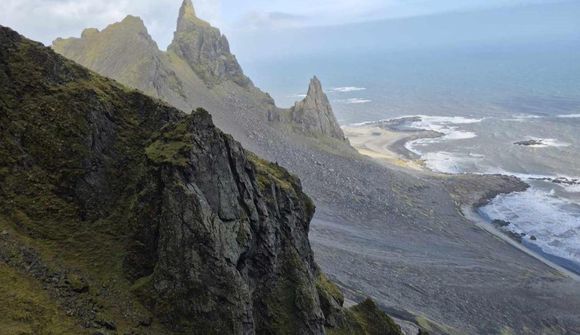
[(77, 283), (173, 145), (431, 326), (366, 319), (325, 285), (143, 289), (174, 153), (27, 309), (61, 127), (269, 173), (289, 299)]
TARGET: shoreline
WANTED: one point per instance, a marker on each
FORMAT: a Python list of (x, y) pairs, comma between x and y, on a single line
[(388, 146), (471, 214)]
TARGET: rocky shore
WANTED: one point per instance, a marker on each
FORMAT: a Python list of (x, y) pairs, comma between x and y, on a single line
[(385, 141)]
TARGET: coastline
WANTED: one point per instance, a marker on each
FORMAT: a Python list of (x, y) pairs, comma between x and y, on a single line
[(387, 146), (471, 214)]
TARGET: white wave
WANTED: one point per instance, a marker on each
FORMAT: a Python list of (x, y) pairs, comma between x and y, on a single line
[(573, 188), (412, 147), (524, 117), (354, 101), (569, 116), (451, 163), (551, 223), (460, 135), (445, 125), (348, 89), (361, 124)]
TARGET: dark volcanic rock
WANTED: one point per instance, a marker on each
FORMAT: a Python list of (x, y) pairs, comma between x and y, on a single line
[(500, 223), (529, 143)]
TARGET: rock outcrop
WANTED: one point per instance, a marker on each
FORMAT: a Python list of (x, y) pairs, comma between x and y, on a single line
[(314, 115), (198, 70), (120, 214), (205, 49), (126, 52)]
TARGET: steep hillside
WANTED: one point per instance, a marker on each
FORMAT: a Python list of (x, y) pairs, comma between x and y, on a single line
[(120, 214)]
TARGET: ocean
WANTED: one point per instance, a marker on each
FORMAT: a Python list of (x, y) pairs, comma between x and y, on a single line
[(505, 106)]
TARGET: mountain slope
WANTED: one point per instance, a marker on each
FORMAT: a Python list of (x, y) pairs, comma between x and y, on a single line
[(120, 214)]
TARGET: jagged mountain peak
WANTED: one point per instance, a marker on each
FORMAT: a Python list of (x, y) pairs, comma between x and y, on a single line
[(133, 21), (205, 49), (126, 29), (188, 16), (187, 9), (315, 89), (315, 82), (314, 115)]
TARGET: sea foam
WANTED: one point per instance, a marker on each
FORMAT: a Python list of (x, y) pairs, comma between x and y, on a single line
[(550, 222), (348, 89)]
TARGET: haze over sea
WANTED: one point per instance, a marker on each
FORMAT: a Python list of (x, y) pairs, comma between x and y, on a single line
[(485, 79)]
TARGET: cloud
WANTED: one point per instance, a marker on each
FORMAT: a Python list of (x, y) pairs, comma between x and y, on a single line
[(270, 20), (45, 20)]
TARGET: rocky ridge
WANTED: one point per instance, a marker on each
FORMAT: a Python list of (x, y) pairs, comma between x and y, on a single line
[(120, 214), (198, 70), (205, 49)]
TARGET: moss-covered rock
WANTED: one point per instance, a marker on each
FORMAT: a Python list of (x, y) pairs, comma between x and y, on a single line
[(139, 217), (366, 318)]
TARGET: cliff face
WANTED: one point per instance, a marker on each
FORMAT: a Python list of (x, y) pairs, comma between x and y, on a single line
[(119, 214), (314, 115), (205, 49)]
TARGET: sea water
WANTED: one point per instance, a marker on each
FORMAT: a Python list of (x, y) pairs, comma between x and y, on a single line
[(503, 106)]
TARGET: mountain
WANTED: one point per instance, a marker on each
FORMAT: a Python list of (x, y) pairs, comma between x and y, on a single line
[(198, 70), (121, 214), (314, 116), (205, 49)]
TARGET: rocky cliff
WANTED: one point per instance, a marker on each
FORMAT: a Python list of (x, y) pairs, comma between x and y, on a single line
[(120, 214), (314, 115), (126, 52), (205, 49)]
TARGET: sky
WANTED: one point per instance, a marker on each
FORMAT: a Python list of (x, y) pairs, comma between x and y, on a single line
[(45, 20)]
